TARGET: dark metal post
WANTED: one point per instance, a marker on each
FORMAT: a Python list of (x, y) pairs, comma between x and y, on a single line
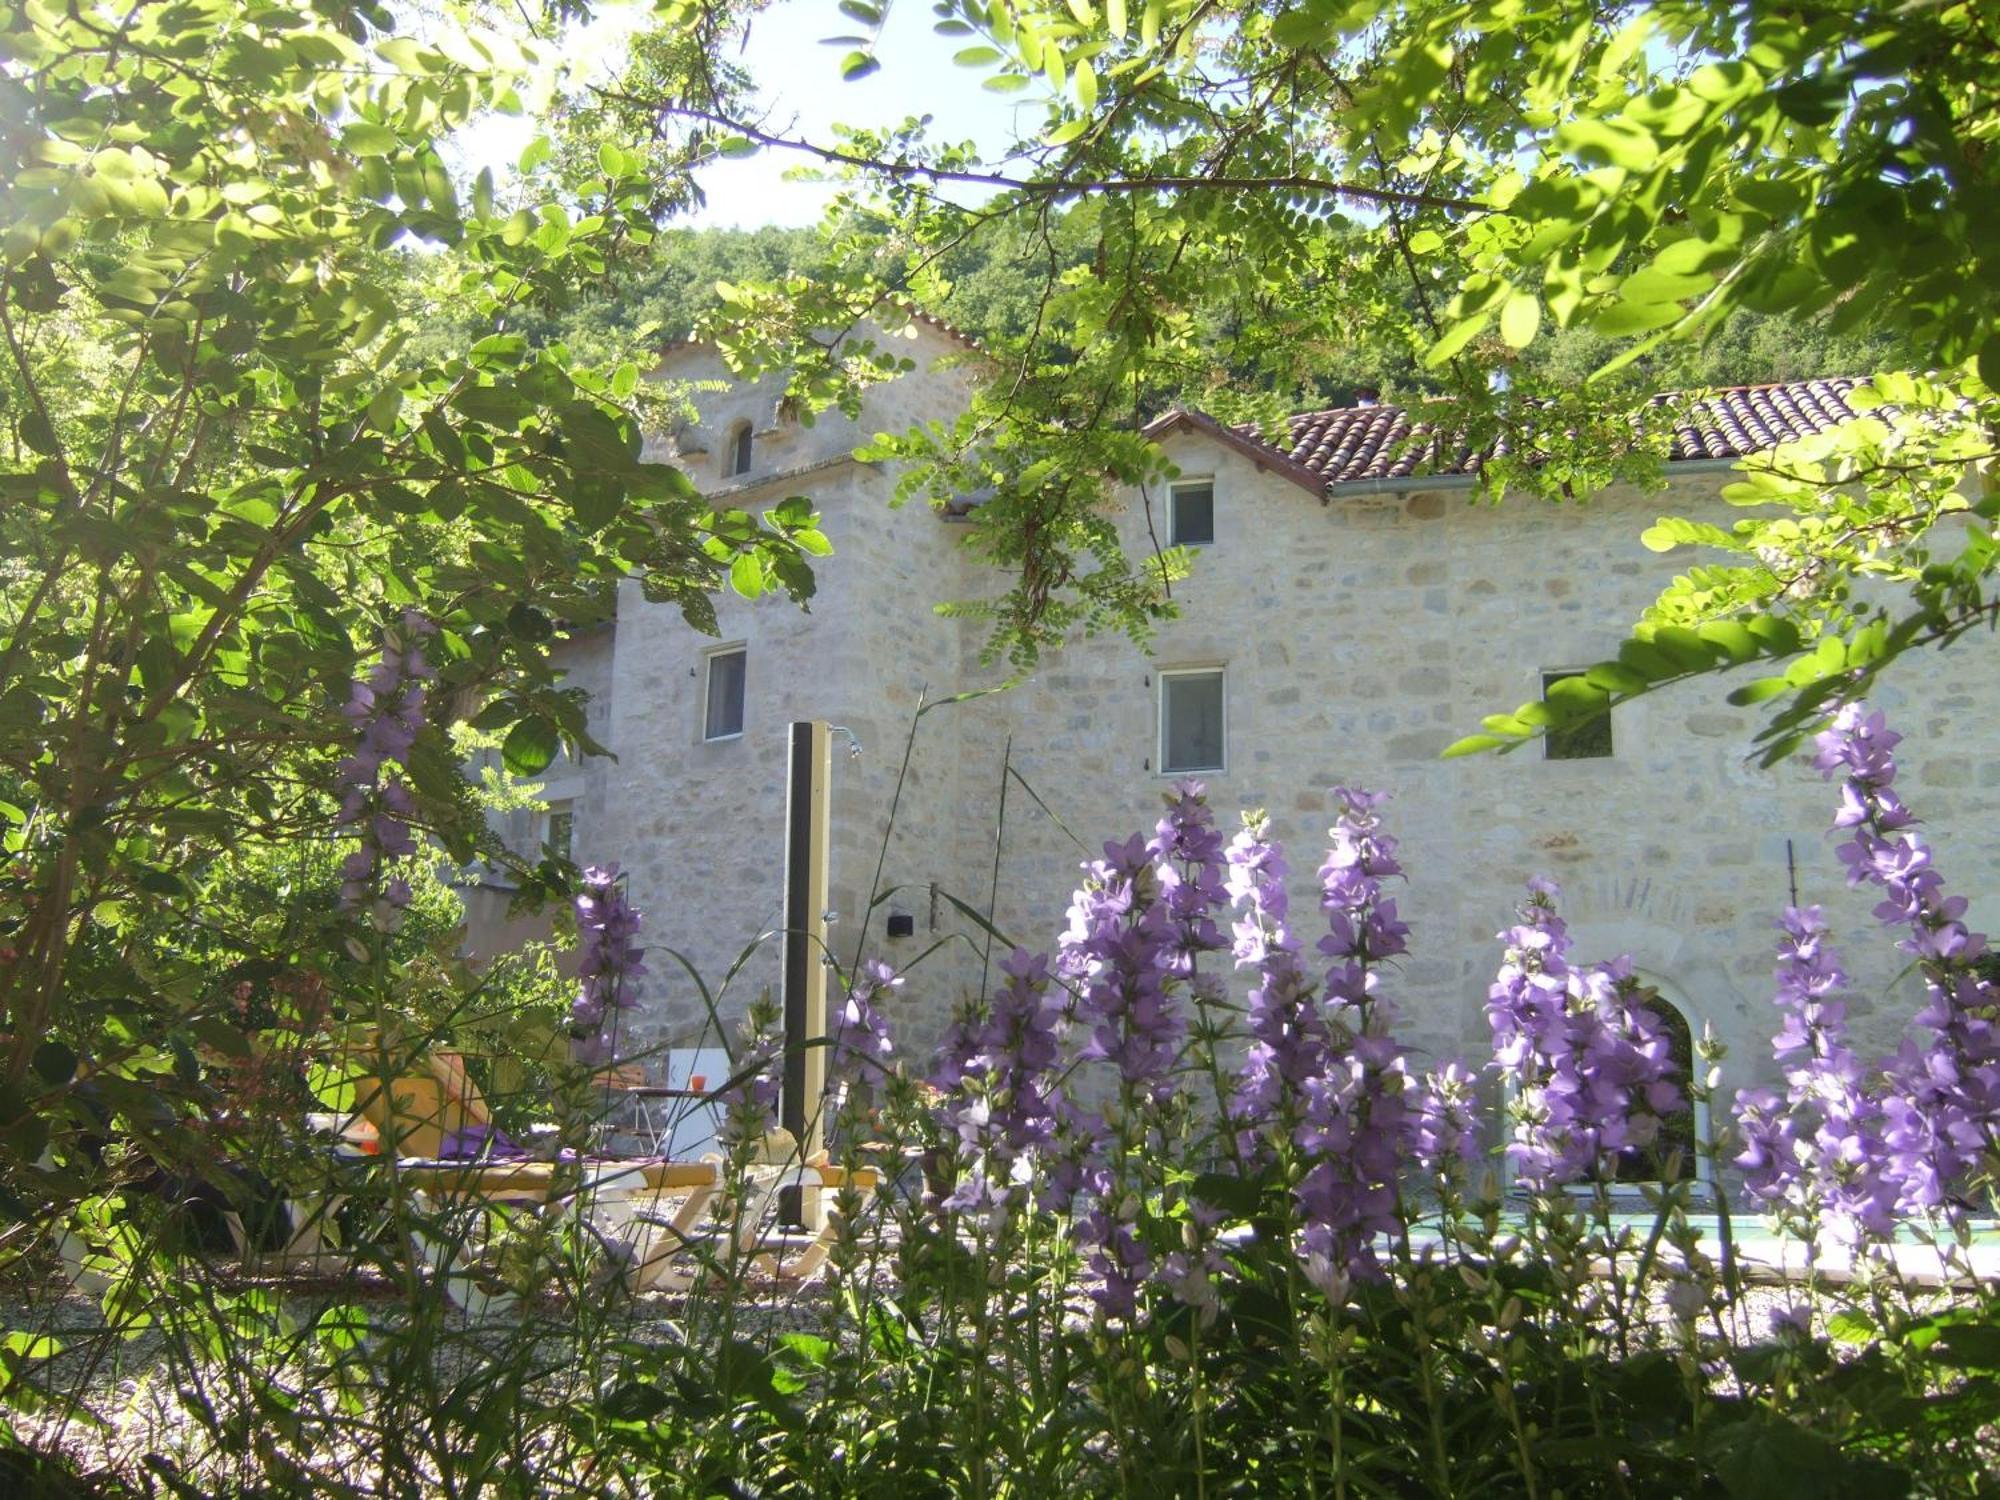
[(808, 825)]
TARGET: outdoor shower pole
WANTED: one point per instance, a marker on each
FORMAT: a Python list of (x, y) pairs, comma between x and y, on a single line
[(808, 826)]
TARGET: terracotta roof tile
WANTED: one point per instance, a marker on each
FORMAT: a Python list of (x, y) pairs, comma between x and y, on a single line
[(1358, 444)]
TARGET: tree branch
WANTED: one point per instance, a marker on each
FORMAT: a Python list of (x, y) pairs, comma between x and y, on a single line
[(1052, 189)]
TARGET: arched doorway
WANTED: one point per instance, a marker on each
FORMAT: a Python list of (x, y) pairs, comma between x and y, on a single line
[(1674, 1154)]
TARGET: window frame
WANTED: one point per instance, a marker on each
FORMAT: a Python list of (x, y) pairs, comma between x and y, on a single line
[(1216, 670), (558, 810), (1548, 677), (738, 449), (1173, 510), (708, 661)]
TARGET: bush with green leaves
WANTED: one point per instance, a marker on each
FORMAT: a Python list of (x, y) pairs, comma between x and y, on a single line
[(1139, 1233)]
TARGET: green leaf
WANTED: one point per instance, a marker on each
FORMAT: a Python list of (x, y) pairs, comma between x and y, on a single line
[(858, 65), (1456, 338), (1766, 1457), (1989, 361), (54, 1063), (1616, 677), (1968, 1346), (1476, 744), (529, 623), (746, 575), (1236, 1196), (37, 434), (530, 746), (1086, 87), (1732, 636), (634, 1401), (365, 138), (1520, 319)]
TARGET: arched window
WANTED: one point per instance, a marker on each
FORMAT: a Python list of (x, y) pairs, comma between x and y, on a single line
[(1677, 1144), (736, 454)]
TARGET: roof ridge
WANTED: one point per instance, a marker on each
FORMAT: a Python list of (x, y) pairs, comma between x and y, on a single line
[(1698, 392), (1377, 441)]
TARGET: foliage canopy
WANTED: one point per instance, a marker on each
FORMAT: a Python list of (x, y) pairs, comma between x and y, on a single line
[(1221, 198)]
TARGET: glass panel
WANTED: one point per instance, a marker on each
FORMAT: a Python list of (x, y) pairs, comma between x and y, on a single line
[(562, 829), (739, 450), (1587, 741), (1193, 730), (1194, 515), (725, 695)]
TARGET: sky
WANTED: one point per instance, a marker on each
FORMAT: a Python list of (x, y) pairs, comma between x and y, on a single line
[(798, 77)]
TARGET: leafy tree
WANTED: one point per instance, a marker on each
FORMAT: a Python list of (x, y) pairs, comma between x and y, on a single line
[(1475, 183), (229, 463)]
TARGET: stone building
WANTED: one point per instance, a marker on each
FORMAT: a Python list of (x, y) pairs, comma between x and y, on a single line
[(1346, 620)]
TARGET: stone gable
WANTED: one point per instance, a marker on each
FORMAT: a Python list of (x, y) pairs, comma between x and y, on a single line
[(1356, 637)]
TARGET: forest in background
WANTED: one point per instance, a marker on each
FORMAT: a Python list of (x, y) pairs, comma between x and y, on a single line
[(666, 289)]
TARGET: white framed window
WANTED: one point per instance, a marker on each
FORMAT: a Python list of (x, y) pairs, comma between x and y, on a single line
[(1191, 720), (1191, 513), (736, 451), (722, 693), (559, 828)]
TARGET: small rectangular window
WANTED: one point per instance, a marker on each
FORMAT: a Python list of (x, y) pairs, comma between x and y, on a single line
[(1191, 514), (560, 836), (1191, 721), (1590, 740), (723, 718)]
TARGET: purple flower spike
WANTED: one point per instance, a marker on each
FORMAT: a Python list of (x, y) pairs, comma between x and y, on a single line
[(861, 1034), (1323, 1076), (386, 710), (1004, 1109), (1939, 1115), (1590, 1067), (609, 965)]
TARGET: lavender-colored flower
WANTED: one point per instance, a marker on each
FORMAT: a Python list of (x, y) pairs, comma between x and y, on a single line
[(1447, 1125), (1358, 1125), (1118, 1263), (1940, 1112), (609, 965), (1793, 1321), (1590, 1065), (1003, 1109), (386, 710), (1138, 925), (1770, 1155), (1145, 914), (861, 1034), (1288, 1036), (749, 1100)]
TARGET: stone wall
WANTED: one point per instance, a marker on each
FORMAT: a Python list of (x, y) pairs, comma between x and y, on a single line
[(1359, 636), (698, 825)]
